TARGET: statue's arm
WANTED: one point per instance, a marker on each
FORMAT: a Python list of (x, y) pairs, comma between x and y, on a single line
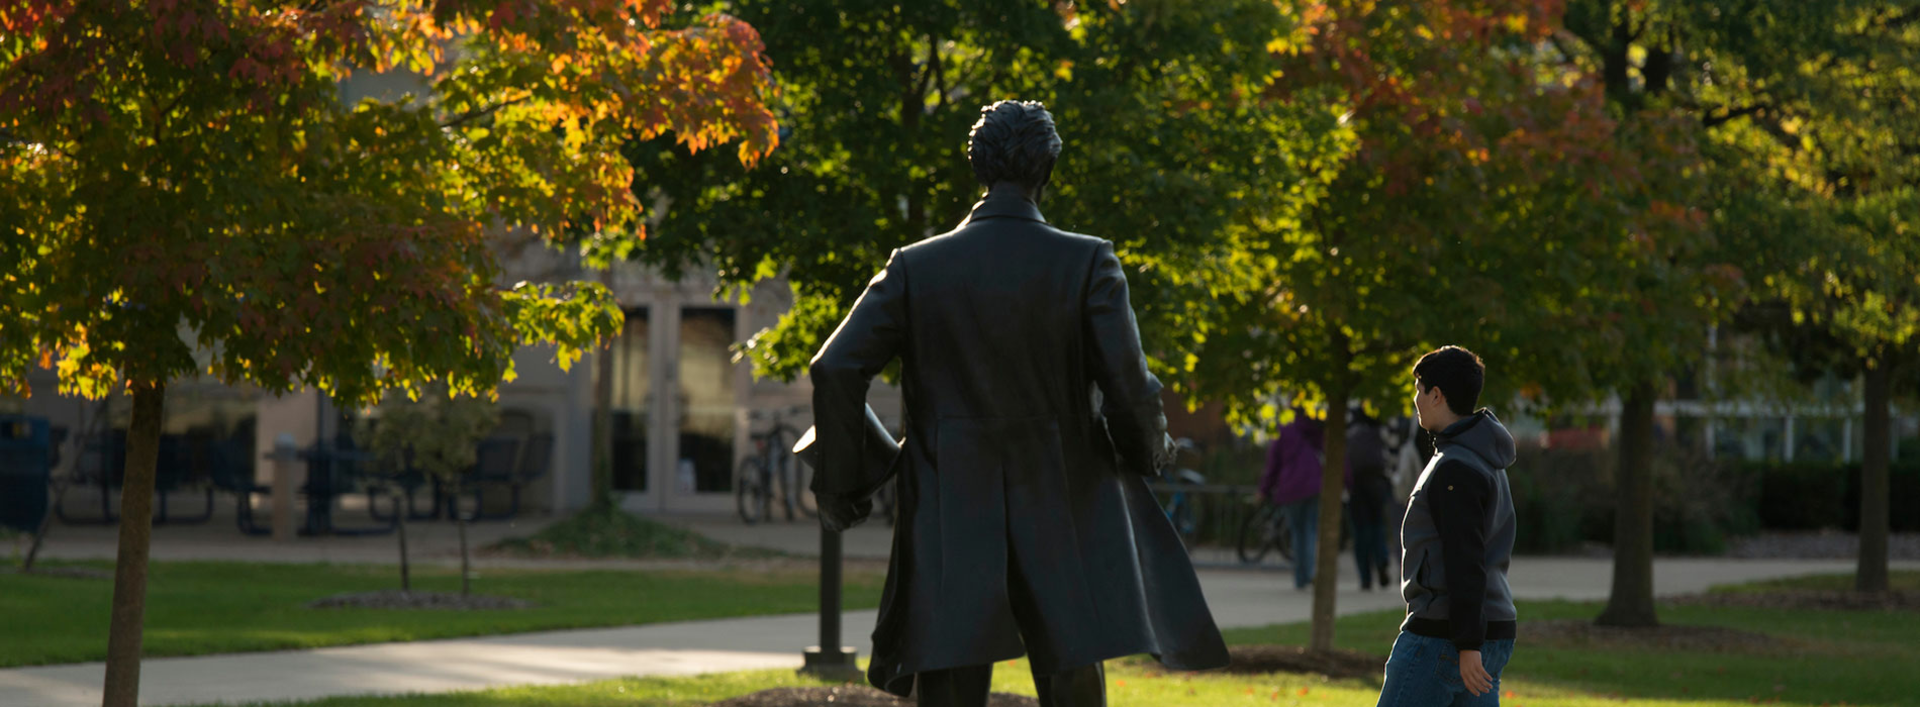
[(1130, 392), (866, 341)]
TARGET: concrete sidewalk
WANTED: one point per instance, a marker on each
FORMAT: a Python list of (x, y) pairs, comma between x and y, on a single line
[(1238, 599)]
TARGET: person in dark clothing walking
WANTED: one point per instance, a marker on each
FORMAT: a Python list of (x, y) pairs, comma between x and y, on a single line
[(1367, 491), (1456, 543)]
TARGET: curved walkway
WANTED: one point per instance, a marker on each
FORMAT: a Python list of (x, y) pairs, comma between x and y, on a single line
[(1238, 599)]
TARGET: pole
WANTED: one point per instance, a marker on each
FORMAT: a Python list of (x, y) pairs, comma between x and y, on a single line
[(830, 584), (830, 660), (285, 454)]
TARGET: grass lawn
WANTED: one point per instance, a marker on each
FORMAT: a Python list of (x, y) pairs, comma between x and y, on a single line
[(197, 608), (610, 532), (1898, 580), (1823, 658), (1130, 684)]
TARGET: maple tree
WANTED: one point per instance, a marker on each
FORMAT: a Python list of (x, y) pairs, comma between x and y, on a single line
[(1488, 202), (1821, 191), (182, 177), (1166, 143), (1750, 74)]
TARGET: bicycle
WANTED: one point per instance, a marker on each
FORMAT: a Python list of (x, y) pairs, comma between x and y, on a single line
[(1180, 507), (1265, 530), (772, 461)]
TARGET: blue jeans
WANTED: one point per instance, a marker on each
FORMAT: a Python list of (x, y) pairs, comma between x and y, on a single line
[(1303, 521), (1425, 672)]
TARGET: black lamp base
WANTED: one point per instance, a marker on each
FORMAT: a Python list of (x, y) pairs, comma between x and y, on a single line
[(832, 664)]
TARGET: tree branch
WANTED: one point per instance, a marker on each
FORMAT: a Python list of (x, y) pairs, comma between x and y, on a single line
[(481, 112), (7, 137), (939, 78), (933, 64), (1566, 55), (1595, 42), (1709, 120), (1779, 133), (1901, 20)]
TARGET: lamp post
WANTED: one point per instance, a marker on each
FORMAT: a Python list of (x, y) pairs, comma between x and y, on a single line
[(877, 450), (830, 659)]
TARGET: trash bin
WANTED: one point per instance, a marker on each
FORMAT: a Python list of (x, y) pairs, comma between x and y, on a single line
[(25, 463)]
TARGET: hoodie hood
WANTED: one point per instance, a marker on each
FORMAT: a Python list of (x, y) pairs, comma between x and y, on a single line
[(1482, 434), (1308, 428)]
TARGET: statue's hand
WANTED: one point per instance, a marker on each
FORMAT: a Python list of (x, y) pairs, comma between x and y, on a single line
[(838, 513), (1165, 453)]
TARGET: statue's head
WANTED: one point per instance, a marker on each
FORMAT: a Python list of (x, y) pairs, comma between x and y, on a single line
[(1014, 142)]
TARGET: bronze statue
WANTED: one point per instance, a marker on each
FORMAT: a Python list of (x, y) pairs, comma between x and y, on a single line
[(1026, 526)]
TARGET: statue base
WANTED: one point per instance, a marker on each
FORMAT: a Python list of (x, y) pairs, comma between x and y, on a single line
[(832, 664)]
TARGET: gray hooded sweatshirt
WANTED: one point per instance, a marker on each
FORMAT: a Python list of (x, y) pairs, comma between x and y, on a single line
[(1457, 537)]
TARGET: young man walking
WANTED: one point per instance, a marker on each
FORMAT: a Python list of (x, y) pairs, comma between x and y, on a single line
[(1456, 540)]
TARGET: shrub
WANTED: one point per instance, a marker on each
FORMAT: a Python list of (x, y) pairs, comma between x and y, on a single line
[(1565, 497), (1826, 495)]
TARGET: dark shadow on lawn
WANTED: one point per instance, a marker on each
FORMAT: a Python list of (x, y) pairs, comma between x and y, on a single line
[(1584, 634), (848, 696), (1337, 664), (397, 599), (63, 571), (1805, 599)]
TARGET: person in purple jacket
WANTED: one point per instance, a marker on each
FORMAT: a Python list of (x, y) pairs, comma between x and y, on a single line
[(1292, 481)]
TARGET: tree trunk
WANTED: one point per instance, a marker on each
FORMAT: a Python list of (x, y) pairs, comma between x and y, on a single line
[(1874, 491), (130, 566), (1616, 61), (602, 453), (400, 526), (63, 482), (40, 535), (1631, 603), (1326, 567)]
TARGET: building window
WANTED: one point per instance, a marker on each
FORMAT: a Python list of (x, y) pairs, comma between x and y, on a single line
[(631, 404), (706, 379)]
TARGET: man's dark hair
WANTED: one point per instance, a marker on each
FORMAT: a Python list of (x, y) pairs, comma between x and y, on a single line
[(1458, 373), (1013, 141)]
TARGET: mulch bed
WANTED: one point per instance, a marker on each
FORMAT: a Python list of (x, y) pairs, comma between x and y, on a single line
[(849, 696), (1817, 599), (1825, 544), (1338, 664), (1247, 660), (1698, 639), (396, 599), (67, 572)]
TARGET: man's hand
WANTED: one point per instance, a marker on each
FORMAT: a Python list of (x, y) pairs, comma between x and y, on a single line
[(1473, 675)]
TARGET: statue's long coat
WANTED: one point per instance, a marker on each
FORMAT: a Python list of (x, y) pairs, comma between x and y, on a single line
[(1025, 525)]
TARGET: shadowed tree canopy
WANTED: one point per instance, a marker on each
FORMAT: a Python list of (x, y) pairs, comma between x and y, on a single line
[(186, 192), (1491, 201), (182, 174), (1825, 185), (1168, 143), (1757, 76)]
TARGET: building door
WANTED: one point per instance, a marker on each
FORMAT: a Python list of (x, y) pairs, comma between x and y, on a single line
[(677, 406), (633, 410), (707, 405)]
